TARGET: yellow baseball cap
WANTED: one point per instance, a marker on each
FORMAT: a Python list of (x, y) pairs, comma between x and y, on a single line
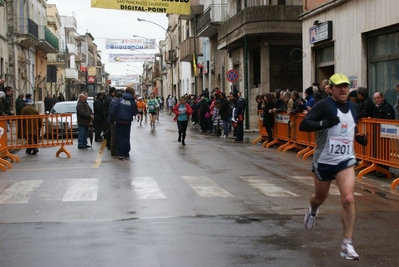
[(338, 78)]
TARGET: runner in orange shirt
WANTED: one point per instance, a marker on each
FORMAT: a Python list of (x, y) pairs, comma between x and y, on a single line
[(141, 108)]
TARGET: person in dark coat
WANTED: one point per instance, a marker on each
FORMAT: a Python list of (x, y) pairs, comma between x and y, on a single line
[(48, 103), (268, 117), (204, 108), (298, 101), (84, 116), (382, 110), (99, 117), (366, 105), (107, 102), (122, 114), (31, 127), (224, 112)]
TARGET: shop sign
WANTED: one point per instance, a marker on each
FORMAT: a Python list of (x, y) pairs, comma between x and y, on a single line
[(320, 32)]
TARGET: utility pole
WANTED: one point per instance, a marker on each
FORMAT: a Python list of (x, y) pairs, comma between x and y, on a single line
[(10, 43)]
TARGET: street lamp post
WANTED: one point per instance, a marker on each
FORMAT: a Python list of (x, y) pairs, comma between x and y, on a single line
[(171, 44)]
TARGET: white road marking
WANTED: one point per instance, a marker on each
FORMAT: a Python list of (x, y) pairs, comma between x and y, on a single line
[(19, 192), (147, 188), (205, 187), (82, 190), (308, 180), (268, 189)]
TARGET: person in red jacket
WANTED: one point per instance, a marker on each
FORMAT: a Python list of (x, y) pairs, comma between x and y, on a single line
[(183, 112)]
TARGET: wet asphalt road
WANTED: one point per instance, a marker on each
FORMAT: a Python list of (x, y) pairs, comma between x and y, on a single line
[(211, 203)]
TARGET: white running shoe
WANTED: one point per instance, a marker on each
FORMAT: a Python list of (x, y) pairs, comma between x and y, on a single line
[(309, 219), (348, 252)]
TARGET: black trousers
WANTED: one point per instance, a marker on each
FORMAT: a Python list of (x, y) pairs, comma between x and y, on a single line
[(182, 127)]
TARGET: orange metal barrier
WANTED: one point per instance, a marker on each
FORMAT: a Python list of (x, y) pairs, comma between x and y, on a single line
[(261, 129), (34, 131), (382, 148)]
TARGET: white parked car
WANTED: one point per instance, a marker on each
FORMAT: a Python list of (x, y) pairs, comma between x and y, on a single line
[(65, 107)]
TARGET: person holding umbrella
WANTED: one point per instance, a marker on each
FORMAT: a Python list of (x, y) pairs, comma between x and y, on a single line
[(84, 116)]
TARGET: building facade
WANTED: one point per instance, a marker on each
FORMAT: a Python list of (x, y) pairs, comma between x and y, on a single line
[(365, 47)]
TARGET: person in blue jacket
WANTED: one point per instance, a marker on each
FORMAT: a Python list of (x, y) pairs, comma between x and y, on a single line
[(121, 114)]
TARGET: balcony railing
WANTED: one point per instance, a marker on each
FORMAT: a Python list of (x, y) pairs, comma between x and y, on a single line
[(72, 49), (70, 22), (28, 26), (214, 16), (71, 74), (80, 57), (54, 59), (46, 35), (187, 49)]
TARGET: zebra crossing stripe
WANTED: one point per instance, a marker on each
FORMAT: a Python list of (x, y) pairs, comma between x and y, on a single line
[(147, 188), (81, 190), (308, 180), (268, 189), (205, 187), (19, 192)]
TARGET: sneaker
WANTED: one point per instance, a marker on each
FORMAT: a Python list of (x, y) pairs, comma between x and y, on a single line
[(309, 219), (223, 136), (348, 252), (120, 158)]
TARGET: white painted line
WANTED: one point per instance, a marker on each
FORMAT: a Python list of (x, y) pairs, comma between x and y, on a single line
[(267, 189), (308, 180), (19, 192), (82, 190), (205, 187), (147, 188)]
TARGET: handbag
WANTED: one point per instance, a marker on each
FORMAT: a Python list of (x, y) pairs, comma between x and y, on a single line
[(208, 115)]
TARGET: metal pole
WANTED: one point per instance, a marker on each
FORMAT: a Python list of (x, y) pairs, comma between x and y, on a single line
[(171, 44), (246, 82), (195, 48)]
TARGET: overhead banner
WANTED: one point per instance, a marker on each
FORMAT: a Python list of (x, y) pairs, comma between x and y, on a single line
[(130, 58), (153, 6), (129, 44), (124, 80)]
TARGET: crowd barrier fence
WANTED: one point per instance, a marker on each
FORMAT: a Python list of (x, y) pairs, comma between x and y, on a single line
[(33, 131)]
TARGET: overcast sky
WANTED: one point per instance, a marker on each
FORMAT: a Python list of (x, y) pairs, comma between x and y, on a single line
[(108, 23)]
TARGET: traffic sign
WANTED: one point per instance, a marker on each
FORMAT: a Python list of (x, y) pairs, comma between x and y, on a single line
[(232, 76)]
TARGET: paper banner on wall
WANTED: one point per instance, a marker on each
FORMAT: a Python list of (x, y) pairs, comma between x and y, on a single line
[(154, 6)]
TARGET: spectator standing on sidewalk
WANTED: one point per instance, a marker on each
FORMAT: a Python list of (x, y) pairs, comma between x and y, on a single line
[(84, 117), (122, 114), (47, 104), (268, 118), (366, 105), (112, 124), (32, 127), (335, 119), (99, 117), (382, 110), (224, 112)]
